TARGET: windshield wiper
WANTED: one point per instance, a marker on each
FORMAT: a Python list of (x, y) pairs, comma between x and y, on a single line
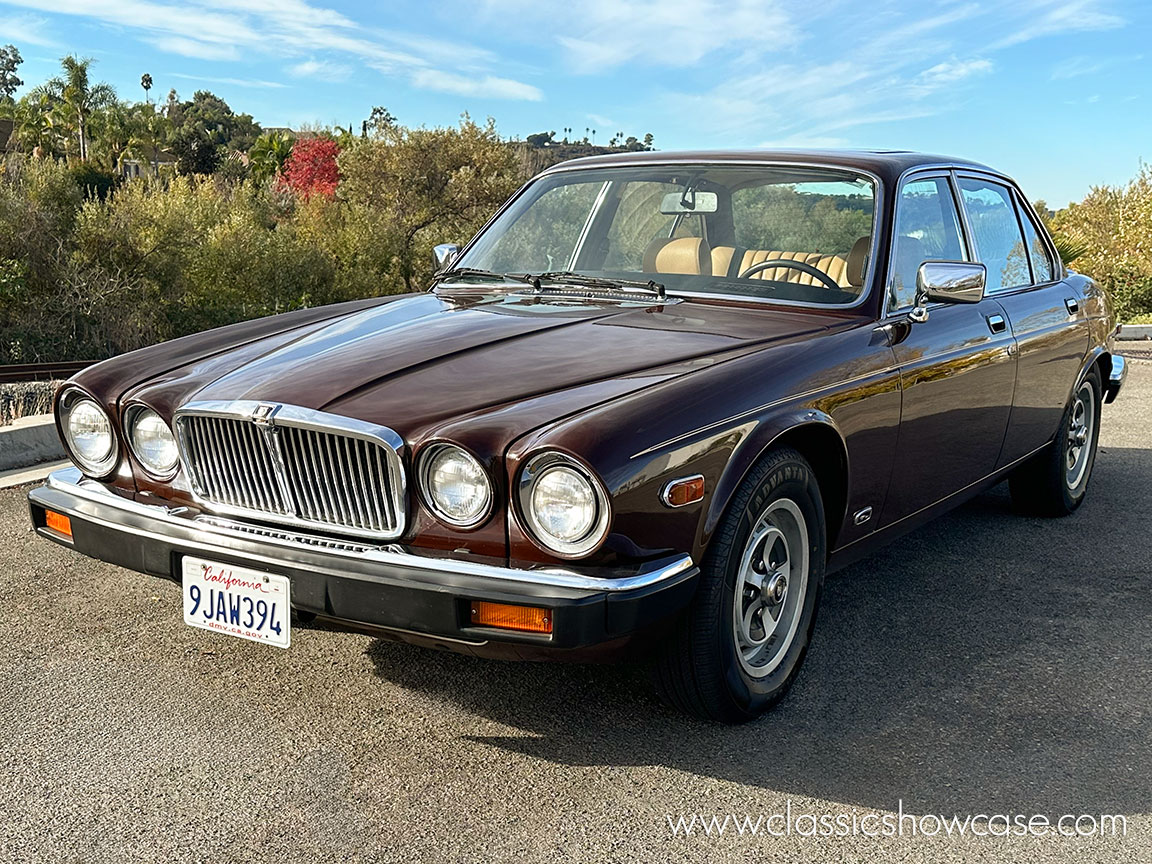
[(568, 277), (457, 272)]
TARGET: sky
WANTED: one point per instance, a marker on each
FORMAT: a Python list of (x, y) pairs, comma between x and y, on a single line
[(1050, 91)]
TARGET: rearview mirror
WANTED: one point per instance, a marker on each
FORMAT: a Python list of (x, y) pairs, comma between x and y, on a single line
[(445, 254), (947, 282), (691, 201)]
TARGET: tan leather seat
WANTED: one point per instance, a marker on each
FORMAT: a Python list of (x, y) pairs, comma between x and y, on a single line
[(847, 272), (688, 255)]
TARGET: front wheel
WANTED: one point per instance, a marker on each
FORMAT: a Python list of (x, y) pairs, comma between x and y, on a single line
[(739, 647), (1054, 482)]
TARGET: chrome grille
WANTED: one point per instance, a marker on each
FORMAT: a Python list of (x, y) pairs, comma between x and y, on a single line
[(231, 463), (289, 464)]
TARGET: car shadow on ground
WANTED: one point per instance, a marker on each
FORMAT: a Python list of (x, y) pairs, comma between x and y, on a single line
[(985, 663)]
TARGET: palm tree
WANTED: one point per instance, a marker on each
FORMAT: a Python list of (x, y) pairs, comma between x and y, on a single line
[(269, 154), (146, 83), (150, 132), (34, 129), (78, 96)]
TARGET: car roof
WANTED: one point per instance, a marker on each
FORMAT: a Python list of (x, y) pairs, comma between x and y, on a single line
[(886, 164)]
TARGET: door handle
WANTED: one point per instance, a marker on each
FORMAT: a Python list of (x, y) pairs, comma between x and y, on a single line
[(997, 324), (1073, 305)]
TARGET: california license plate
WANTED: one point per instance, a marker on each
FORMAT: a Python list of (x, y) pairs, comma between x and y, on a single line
[(237, 601)]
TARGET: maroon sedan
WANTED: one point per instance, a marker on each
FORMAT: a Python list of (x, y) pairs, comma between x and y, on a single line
[(652, 403)]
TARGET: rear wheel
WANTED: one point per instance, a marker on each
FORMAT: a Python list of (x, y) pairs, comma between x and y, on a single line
[(1054, 482), (739, 647)]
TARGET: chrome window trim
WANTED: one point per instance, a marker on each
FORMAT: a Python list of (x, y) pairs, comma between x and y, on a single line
[(1012, 195), (278, 414), (70, 481), (929, 172), (877, 211)]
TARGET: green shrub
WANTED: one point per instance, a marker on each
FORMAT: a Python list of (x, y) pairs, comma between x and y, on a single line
[(1111, 230)]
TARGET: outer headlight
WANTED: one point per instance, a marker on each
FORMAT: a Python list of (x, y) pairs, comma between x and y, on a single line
[(455, 485), (88, 433), (152, 441), (565, 506)]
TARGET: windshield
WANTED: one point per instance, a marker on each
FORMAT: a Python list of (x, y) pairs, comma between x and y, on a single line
[(780, 233)]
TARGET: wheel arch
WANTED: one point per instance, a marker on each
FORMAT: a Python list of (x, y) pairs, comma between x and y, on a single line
[(816, 437)]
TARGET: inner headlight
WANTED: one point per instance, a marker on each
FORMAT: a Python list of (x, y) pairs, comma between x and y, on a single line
[(152, 441), (455, 485), (88, 432), (566, 509)]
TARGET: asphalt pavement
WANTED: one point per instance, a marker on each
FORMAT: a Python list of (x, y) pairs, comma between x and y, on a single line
[(986, 664)]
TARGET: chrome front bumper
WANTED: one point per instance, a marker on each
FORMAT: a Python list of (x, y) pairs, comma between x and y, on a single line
[(1115, 378), (389, 586)]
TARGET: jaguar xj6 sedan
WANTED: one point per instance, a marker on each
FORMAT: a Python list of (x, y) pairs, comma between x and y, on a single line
[(650, 405)]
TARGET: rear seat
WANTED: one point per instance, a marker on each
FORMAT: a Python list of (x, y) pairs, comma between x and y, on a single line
[(847, 272)]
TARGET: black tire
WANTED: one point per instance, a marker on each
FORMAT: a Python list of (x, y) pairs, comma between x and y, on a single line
[(1045, 485), (701, 670)]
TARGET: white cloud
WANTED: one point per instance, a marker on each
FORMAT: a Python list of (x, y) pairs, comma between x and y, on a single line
[(486, 87), (1051, 17), (220, 30), (601, 121), (953, 70), (26, 30), (237, 82), (193, 48), (600, 35), (320, 70)]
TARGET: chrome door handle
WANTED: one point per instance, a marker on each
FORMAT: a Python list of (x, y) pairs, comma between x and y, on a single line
[(1073, 305), (997, 324)]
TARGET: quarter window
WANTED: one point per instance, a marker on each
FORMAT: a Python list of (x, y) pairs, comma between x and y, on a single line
[(995, 233), (1042, 269), (927, 229)]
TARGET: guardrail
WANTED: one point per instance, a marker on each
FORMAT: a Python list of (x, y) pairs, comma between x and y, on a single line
[(41, 371)]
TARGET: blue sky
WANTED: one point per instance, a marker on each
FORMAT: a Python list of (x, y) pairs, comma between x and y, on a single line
[(1051, 91)]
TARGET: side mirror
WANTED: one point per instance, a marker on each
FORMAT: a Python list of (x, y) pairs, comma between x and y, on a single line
[(947, 282), (444, 255)]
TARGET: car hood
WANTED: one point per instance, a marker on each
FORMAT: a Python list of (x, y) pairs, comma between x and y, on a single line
[(420, 361)]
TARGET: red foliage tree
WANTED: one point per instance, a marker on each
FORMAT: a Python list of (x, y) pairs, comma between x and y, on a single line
[(311, 167)]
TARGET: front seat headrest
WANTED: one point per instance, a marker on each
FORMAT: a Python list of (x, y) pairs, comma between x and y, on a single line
[(688, 255), (858, 262)]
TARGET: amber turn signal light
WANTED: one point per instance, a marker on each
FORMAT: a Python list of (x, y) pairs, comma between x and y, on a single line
[(58, 522), (527, 619), (684, 491)]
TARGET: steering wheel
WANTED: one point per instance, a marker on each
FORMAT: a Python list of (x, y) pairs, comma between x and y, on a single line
[(828, 281)]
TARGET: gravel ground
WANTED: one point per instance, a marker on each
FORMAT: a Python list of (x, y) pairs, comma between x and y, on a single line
[(988, 663)]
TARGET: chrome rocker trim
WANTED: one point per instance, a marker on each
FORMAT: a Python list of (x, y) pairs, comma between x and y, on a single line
[(71, 481)]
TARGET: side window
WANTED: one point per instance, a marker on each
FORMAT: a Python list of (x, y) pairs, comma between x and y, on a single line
[(995, 233), (1042, 269), (927, 229)]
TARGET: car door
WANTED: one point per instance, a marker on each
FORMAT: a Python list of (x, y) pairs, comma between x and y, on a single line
[(1045, 312), (957, 369)]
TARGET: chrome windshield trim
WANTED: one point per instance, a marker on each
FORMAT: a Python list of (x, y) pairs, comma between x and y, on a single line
[(72, 482)]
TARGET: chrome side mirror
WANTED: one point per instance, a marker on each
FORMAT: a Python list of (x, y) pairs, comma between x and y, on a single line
[(444, 255), (947, 282)]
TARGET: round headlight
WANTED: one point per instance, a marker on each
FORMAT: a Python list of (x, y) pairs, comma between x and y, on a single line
[(88, 432), (152, 442), (567, 511), (456, 485)]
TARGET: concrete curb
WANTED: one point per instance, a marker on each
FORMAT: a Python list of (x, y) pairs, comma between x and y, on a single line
[(29, 441), (20, 476), (1132, 332)]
